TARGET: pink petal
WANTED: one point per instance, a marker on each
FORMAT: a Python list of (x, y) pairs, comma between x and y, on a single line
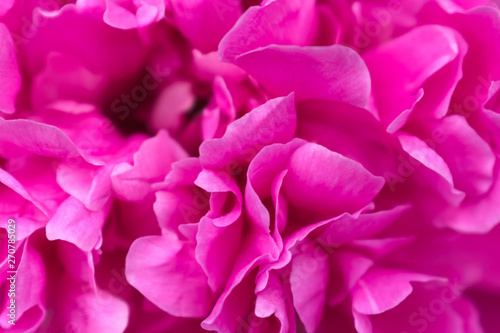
[(432, 307), (464, 217), (459, 257), (225, 199), (234, 311), (221, 113), (217, 249), (264, 180), (10, 79), (76, 224), (309, 282), (273, 122), (165, 271), (89, 184), (204, 22), (380, 289), (144, 12), (436, 173), (65, 78), (276, 300), (90, 310), (350, 131), (5, 6), (30, 284), (171, 106), (179, 202), (232, 308), (17, 137), (346, 268), (282, 22), (99, 47), (118, 16), (347, 228), (472, 168), (328, 183), (401, 67), (151, 163), (335, 73), (12, 183)]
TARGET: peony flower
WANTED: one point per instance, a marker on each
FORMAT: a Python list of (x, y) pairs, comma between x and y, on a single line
[(260, 244), (59, 222), (249, 166)]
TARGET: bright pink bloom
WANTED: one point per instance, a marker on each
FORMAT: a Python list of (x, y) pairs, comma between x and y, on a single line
[(251, 166)]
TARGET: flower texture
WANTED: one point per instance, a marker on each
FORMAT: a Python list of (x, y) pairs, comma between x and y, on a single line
[(250, 166)]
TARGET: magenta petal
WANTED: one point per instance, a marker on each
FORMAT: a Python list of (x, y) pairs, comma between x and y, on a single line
[(216, 250), (419, 150), (234, 311), (179, 201), (276, 300), (328, 183), (362, 322), (87, 183), (12, 183), (282, 22), (468, 312), (118, 16), (347, 228), (453, 6), (432, 307), (10, 79), (309, 283), (338, 318), (65, 79), (89, 310), (353, 132), (264, 181), (151, 163), (20, 136), (221, 113), (104, 50), (346, 267), (380, 289), (402, 66), (147, 12), (273, 122), (472, 167), (30, 284), (225, 199), (78, 264), (205, 22), (5, 6), (164, 270), (183, 173), (257, 247), (76, 224), (461, 257), (494, 123), (436, 172), (111, 313), (335, 73), (23, 199), (464, 217), (28, 217)]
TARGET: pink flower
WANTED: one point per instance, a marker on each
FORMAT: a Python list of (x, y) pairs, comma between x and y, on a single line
[(59, 222), (250, 166), (244, 218)]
